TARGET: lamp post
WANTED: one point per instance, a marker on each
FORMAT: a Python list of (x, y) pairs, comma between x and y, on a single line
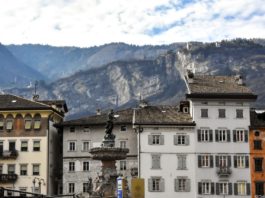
[(40, 181)]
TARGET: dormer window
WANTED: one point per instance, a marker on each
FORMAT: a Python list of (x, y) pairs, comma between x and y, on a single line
[(28, 121), (37, 122)]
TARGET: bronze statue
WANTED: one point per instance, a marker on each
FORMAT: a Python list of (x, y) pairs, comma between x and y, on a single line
[(109, 126)]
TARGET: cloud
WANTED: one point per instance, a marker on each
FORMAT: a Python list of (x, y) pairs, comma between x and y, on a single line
[(86, 23)]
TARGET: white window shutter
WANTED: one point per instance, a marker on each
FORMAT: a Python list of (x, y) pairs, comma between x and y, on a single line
[(150, 138), (187, 185), (150, 185), (175, 139), (162, 185), (176, 185), (162, 139), (187, 140)]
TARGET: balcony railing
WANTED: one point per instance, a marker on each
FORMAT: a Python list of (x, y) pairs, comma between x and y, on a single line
[(8, 178), (224, 171), (9, 154)]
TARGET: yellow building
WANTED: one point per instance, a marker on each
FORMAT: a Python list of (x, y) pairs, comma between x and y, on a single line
[(30, 144)]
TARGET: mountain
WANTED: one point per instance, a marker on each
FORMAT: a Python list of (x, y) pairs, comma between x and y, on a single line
[(15, 73), (58, 62), (160, 80)]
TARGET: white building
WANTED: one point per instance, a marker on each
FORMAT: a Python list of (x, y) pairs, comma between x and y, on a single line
[(29, 144), (80, 135), (166, 150), (220, 106)]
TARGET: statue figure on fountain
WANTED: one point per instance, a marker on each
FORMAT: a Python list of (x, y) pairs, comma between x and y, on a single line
[(109, 136)]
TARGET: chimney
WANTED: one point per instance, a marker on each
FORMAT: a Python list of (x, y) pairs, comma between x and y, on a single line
[(239, 80), (98, 112)]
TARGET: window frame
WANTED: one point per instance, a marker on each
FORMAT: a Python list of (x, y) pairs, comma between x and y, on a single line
[(204, 113), (257, 144), (86, 166), (123, 165), (182, 162), (155, 161), (72, 146), (36, 166), (256, 165), (11, 169), (84, 146), (25, 173), (221, 113), (71, 166), (239, 113), (21, 146), (34, 147), (71, 187)]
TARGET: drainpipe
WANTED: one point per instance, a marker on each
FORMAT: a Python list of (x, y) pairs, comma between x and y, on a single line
[(137, 130)]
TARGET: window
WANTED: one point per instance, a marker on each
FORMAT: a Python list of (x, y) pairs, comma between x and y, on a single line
[(35, 169), (257, 144), (71, 188), (239, 113), (205, 161), (37, 122), (1, 168), (71, 146), (122, 144), (222, 135), (206, 188), (259, 188), (23, 192), (156, 184), (182, 184), (222, 188), (123, 128), (257, 133), (71, 166), (123, 165), (28, 124), (204, 113), (9, 124), (155, 139), (258, 164), (205, 135), (23, 169), (221, 113), (240, 135), (182, 162), (242, 188), (85, 187), (72, 129), (85, 166), (86, 129), (1, 148), (11, 169), (24, 146), (12, 146), (181, 139), (36, 145), (241, 161), (86, 146), (1, 123), (223, 161), (155, 161)]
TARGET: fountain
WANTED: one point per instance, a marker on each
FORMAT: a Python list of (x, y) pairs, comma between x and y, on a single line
[(107, 154)]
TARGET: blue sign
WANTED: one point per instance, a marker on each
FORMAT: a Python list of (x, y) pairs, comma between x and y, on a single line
[(119, 187)]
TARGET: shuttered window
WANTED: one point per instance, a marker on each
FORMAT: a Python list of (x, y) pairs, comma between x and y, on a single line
[(156, 161), (223, 161), (9, 124), (27, 124), (182, 162), (241, 161), (206, 188), (181, 139), (205, 135), (240, 135), (182, 184), (156, 139), (222, 135), (239, 113), (223, 188), (242, 188), (156, 184), (205, 161)]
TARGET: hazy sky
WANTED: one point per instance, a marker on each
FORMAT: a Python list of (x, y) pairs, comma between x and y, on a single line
[(94, 22)]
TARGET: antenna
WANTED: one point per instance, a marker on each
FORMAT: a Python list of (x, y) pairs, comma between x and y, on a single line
[(35, 96)]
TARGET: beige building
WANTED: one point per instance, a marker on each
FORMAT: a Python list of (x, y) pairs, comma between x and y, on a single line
[(29, 144)]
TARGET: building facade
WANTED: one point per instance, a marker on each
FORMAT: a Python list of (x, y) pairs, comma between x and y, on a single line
[(29, 144), (220, 106), (166, 151), (257, 156), (80, 172)]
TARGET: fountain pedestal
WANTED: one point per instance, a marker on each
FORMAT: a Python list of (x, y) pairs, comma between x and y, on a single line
[(107, 184)]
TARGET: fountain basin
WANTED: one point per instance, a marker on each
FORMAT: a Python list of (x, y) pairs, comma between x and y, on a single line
[(108, 153)]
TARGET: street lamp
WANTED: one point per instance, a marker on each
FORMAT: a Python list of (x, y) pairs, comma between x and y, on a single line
[(40, 181)]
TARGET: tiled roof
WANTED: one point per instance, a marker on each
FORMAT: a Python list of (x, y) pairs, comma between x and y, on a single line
[(257, 119), (222, 86), (61, 103), (124, 117), (11, 102), (149, 115), (162, 115)]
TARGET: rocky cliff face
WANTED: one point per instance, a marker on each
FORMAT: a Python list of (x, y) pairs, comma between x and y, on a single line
[(159, 80)]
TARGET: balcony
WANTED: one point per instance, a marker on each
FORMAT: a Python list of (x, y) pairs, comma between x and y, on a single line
[(9, 154), (8, 178), (224, 171)]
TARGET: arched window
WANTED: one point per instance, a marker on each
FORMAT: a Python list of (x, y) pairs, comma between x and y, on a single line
[(2, 122), (9, 122), (37, 122), (19, 124), (28, 122)]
